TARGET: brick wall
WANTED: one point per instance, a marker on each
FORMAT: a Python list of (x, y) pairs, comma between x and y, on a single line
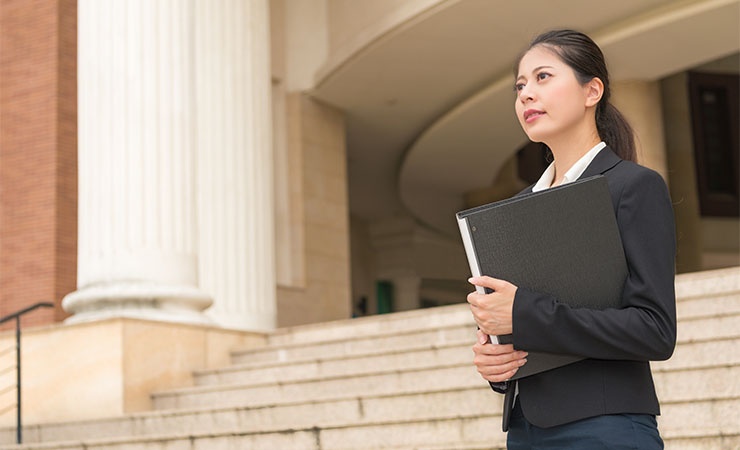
[(38, 155)]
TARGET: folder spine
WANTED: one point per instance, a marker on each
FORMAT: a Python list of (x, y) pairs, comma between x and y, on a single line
[(472, 260)]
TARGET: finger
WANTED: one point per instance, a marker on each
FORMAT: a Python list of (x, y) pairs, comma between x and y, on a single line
[(472, 298), (496, 364), (503, 371), (481, 358), (500, 349), (489, 282), (503, 377)]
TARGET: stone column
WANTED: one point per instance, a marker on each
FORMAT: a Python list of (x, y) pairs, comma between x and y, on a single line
[(235, 163), (137, 151)]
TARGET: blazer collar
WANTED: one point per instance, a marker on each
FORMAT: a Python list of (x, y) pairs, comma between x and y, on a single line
[(605, 160)]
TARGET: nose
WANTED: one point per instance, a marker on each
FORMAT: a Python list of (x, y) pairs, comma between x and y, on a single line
[(526, 93)]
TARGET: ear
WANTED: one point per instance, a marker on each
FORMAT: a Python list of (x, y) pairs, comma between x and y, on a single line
[(594, 89)]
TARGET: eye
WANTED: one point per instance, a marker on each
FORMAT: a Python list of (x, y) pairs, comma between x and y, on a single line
[(518, 87), (543, 76)]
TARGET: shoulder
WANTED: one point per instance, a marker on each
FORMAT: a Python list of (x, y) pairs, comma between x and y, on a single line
[(639, 192), (629, 175)]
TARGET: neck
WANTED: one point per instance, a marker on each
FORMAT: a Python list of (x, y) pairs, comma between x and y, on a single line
[(567, 152)]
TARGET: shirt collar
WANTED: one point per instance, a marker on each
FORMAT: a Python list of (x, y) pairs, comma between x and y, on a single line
[(572, 174)]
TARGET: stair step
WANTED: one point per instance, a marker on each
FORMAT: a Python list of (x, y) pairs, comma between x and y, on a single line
[(366, 345), (715, 442), (375, 383), (689, 355), (699, 354), (708, 284), (347, 411), (392, 381), (710, 415), (697, 384), (709, 327), (396, 323), (431, 434), (717, 384), (700, 294), (692, 419), (417, 358), (693, 307), (695, 329)]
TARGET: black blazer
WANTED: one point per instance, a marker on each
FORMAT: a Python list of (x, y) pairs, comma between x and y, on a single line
[(619, 343)]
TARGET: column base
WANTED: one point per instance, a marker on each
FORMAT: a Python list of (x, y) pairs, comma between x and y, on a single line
[(138, 300), (256, 321)]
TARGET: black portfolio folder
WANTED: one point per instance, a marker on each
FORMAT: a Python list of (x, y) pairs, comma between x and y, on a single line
[(562, 241)]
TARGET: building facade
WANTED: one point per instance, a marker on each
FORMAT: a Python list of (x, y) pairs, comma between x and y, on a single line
[(253, 164)]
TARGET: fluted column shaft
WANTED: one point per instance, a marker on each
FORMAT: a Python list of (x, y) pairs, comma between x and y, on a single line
[(137, 151), (235, 162)]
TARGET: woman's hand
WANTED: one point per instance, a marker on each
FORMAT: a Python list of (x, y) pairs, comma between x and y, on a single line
[(492, 312), (496, 362)]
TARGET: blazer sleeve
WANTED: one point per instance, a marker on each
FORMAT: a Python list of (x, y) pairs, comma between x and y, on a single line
[(644, 328)]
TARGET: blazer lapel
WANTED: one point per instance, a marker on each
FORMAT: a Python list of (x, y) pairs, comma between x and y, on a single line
[(605, 160)]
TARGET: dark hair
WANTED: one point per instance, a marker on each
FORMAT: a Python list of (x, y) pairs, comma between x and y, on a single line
[(582, 54)]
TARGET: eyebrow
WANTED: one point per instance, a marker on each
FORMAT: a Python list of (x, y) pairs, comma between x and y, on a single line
[(535, 70)]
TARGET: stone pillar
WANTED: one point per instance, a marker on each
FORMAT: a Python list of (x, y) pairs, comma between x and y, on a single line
[(406, 292), (395, 248), (684, 191), (235, 163), (640, 102), (137, 151)]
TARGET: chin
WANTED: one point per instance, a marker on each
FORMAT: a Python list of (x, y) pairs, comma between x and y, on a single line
[(538, 135)]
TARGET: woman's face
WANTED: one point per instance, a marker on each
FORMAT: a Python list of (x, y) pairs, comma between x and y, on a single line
[(550, 101)]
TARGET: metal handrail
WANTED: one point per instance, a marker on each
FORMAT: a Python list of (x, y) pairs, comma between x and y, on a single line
[(17, 316)]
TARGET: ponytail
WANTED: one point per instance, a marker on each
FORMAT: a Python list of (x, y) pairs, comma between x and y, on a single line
[(614, 129)]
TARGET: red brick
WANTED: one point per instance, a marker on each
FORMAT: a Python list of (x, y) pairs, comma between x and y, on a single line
[(38, 155)]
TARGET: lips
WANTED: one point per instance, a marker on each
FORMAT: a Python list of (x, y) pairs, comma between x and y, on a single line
[(531, 115)]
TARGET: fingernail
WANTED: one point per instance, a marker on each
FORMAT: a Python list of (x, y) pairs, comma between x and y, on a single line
[(522, 362)]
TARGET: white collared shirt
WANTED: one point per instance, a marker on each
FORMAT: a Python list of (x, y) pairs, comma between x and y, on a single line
[(572, 174)]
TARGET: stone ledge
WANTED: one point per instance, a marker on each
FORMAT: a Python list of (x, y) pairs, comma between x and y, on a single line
[(110, 367)]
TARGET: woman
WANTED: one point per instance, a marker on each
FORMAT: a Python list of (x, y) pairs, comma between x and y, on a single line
[(607, 400)]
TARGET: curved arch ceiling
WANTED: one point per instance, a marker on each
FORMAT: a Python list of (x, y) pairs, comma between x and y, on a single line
[(429, 105)]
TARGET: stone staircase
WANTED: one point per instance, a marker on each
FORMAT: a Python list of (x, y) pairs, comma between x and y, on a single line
[(405, 381)]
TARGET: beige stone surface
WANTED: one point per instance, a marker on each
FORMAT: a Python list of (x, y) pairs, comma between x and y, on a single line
[(109, 368), (72, 371), (640, 102), (321, 256)]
